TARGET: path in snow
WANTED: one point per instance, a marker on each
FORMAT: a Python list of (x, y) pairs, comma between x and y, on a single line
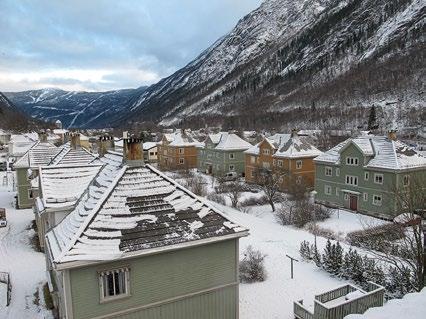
[(26, 266)]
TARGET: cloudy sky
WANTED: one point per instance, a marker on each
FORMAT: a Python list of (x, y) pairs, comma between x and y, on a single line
[(106, 44)]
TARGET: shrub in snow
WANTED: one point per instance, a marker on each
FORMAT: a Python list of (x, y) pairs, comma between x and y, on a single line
[(301, 212), (220, 199), (305, 250), (252, 267), (254, 201), (196, 184)]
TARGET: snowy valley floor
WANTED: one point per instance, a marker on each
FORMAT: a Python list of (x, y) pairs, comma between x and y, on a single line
[(270, 299), (26, 266)]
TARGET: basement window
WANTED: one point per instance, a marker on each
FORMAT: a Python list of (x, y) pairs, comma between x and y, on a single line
[(114, 284)]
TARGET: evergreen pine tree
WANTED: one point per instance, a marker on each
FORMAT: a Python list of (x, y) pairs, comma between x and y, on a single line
[(316, 256), (372, 119), (305, 250), (327, 256)]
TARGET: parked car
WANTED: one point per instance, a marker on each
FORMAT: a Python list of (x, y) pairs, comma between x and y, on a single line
[(231, 176), (3, 222)]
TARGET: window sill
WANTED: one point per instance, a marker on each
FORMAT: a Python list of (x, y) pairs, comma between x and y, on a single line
[(115, 298)]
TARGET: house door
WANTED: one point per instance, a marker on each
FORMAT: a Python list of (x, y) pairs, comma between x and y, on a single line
[(353, 202)]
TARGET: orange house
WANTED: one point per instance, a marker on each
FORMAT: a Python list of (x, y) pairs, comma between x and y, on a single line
[(288, 157), (177, 150)]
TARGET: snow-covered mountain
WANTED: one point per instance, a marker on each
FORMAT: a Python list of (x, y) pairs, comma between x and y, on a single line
[(76, 109), (12, 119), (334, 57)]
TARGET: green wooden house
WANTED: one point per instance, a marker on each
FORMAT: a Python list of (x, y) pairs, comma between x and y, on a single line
[(138, 245), (41, 153), (364, 174), (222, 153)]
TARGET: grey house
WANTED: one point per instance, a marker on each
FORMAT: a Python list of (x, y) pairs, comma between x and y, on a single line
[(138, 245), (222, 153), (364, 174)]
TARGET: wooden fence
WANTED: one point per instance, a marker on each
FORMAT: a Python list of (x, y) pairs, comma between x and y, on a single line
[(373, 296), (5, 278)]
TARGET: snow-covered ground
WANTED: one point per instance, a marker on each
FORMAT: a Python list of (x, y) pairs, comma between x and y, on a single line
[(25, 266), (412, 306)]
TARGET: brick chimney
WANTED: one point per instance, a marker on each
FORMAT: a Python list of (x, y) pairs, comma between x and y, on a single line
[(42, 136), (66, 137), (392, 135), (105, 143), (294, 132), (75, 140), (132, 150)]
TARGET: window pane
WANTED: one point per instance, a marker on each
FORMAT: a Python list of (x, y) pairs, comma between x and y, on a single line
[(110, 284)]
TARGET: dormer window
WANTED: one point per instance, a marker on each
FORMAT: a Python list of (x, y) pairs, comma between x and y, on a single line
[(352, 161)]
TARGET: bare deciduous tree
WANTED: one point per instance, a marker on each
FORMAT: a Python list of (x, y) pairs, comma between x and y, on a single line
[(231, 189), (270, 182)]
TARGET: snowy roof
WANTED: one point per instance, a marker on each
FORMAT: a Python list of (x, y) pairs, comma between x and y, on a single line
[(62, 186), (297, 147), (41, 153), (411, 306), (384, 152), (215, 138), (231, 141), (149, 145), (135, 210), (60, 131), (70, 156), (179, 139), (276, 141)]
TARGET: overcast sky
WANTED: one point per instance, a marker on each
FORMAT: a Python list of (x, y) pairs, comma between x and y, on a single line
[(106, 44)]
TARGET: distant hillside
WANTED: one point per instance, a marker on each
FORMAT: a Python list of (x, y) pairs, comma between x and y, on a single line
[(76, 109), (12, 119), (313, 61)]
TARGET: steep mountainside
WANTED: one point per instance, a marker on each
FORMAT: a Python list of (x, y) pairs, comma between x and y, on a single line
[(309, 60), (76, 109), (12, 119)]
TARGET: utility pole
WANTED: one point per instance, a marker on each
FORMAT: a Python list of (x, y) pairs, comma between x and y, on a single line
[(291, 260)]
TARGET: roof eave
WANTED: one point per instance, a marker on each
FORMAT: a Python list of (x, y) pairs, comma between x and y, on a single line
[(152, 251)]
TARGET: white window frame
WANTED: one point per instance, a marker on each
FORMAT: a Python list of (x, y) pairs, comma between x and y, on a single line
[(280, 163), (327, 189), (377, 202), (346, 197), (299, 180), (377, 175), (337, 191), (30, 194), (232, 168), (299, 164), (406, 180), (351, 180), (231, 156), (365, 197), (266, 151), (328, 169), (366, 176), (252, 159), (181, 150), (181, 161), (337, 171), (103, 282), (252, 173), (352, 161)]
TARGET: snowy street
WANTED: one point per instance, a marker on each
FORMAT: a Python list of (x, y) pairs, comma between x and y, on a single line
[(25, 266)]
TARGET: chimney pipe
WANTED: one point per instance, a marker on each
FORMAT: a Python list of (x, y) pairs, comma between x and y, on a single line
[(392, 135), (42, 136), (75, 140), (294, 132), (105, 144), (132, 150)]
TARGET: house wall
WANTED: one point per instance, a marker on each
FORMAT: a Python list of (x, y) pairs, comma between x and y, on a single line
[(23, 186), (169, 156), (198, 282), (365, 186), (220, 161), (263, 160)]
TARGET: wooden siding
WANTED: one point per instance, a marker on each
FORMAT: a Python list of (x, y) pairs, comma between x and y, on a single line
[(169, 156), (219, 304), (157, 278), (23, 187)]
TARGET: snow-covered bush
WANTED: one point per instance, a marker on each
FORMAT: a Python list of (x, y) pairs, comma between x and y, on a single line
[(195, 183), (252, 267), (254, 201), (218, 198)]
